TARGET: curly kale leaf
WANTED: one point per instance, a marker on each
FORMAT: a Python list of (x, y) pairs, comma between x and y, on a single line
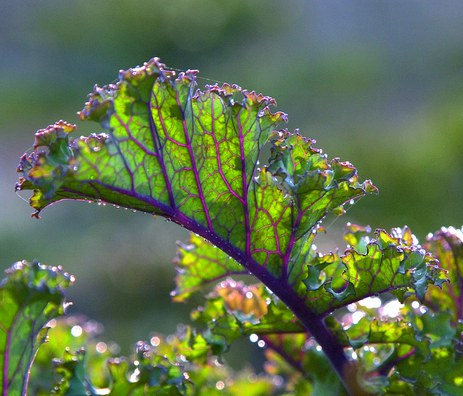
[(31, 295)]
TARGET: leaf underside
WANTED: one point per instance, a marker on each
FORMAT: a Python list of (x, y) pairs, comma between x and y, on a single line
[(193, 157)]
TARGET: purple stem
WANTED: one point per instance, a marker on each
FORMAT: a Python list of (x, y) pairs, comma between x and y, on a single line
[(314, 323)]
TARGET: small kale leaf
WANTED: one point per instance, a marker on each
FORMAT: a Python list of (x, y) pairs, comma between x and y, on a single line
[(31, 295), (447, 245), (440, 318), (373, 265)]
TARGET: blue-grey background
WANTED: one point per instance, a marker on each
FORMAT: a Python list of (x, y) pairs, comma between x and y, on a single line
[(378, 83)]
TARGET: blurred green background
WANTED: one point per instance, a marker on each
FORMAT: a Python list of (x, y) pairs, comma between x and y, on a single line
[(378, 83)]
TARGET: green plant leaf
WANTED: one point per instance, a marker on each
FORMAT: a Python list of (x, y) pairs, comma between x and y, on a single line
[(199, 263), (31, 295), (439, 319), (234, 310), (447, 246), (180, 364), (439, 375), (71, 369), (377, 263), (192, 156), (378, 331), (63, 357)]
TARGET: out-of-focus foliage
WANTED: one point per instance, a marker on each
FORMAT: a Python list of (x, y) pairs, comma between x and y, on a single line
[(30, 296), (180, 364), (405, 349), (447, 244)]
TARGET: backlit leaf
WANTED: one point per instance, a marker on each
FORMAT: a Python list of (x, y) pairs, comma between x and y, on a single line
[(447, 246), (192, 156), (234, 310), (199, 263), (30, 296), (378, 263)]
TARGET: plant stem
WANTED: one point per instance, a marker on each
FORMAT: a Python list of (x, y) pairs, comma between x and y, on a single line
[(314, 323)]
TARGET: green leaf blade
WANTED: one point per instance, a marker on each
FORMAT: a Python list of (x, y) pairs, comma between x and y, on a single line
[(383, 263), (199, 263), (30, 296), (192, 156), (447, 245)]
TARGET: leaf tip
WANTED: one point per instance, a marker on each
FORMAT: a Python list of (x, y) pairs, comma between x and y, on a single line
[(48, 136), (370, 188)]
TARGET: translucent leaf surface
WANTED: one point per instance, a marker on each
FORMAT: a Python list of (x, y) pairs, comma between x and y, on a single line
[(192, 156), (235, 309), (31, 295), (441, 374), (447, 245), (373, 264), (377, 263), (199, 263), (440, 319), (382, 332)]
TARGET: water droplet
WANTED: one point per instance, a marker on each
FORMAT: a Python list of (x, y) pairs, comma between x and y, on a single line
[(253, 338), (76, 331), (101, 347), (278, 380), (51, 323)]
